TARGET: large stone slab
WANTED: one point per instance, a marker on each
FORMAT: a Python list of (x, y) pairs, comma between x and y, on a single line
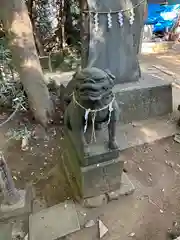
[(136, 133), (147, 98), (5, 231), (23, 207), (112, 48), (54, 222)]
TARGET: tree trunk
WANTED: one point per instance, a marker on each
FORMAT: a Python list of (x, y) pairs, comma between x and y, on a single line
[(68, 22), (38, 42), (85, 33), (60, 33), (19, 32)]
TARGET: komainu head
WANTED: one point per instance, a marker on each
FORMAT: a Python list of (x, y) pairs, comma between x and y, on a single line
[(93, 84)]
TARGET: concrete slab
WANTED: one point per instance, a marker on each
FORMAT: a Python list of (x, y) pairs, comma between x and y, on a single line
[(54, 222), (137, 133), (147, 131)]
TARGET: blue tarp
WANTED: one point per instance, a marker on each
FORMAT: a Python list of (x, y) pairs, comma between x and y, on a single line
[(162, 17)]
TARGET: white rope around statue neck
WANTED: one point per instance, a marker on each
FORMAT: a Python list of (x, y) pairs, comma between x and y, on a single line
[(93, 112)]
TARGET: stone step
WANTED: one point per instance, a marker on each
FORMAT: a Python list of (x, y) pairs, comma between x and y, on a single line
[(134, 134), (130, 135), (150, 97)]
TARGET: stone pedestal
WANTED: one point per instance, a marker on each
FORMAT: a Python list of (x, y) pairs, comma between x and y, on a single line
[(98, 173), (150, 97), (101, 178), (21, 208)]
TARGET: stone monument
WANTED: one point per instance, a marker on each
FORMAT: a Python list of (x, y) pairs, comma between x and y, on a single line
[(90, 121), (111, 32), (111, 36)]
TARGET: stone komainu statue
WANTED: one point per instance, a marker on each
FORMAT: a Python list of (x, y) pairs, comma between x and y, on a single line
[(91, 102)]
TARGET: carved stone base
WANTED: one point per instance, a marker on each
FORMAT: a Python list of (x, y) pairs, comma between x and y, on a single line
[(18, 205), (22, 207), (101, 178), (125, 189), (94, 175)]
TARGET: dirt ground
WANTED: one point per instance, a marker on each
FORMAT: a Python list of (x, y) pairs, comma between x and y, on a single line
[(153, 210), (154, 168)]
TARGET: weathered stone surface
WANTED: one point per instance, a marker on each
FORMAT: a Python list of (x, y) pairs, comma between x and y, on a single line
[(95, 202), (21, 208), (20, 204), (101, 178), (94, 102), (89, 224), (126, 188), (92, 180), (38, 205), (113, 53), (54, 222), (18, 229), (6, 231), (147, 98), (98, 151)]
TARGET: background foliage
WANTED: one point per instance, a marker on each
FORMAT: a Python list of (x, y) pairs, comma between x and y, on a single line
[(56, 28)]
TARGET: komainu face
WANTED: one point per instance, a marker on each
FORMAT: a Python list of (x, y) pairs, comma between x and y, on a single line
[(93, 84)]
